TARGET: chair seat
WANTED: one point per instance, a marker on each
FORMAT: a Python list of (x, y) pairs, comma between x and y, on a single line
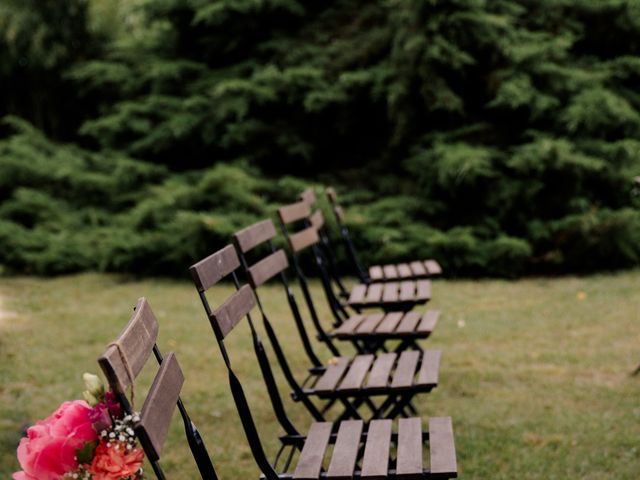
[(367, 452), (410, 371), (405, 271), (390, 295), (389, 325)]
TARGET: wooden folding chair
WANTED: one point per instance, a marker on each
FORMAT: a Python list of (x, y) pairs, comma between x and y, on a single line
[(411, 270), (392, 379), (122, 362), (390, 296), (368, 333), (330, 450)]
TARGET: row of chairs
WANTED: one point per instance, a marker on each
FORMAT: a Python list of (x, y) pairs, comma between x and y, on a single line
[(353, 400)]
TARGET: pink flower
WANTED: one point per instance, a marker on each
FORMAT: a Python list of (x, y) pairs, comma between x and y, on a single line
[(99, 417), (49, 449), (111, 463)]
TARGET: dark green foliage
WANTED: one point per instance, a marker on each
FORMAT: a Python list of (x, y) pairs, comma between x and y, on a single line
[(499, 136), (65, 209), (39, 40)]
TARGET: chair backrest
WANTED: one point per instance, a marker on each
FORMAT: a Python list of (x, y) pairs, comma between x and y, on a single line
[(354, 256), (268, 267), (296, 213), (308, 195), (310, 236), (273, 263), (223, 319), (209, 271), (332, 196), (124, 359), (122, 362)]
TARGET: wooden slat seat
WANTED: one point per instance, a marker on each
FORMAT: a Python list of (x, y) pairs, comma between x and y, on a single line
[(392, 295), (405, 271), (375, 452), (413, 270), (383, 374), (401, 295), (388, 325)]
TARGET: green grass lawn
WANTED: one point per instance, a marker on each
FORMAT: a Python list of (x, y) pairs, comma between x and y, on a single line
[(535, 374)]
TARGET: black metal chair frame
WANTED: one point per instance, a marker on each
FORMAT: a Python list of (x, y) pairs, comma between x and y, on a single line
[(338, 311), (363, 344), (223, 319), (392, 406), (396, 402)]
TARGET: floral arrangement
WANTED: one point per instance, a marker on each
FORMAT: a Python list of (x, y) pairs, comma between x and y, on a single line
[(86, 439)]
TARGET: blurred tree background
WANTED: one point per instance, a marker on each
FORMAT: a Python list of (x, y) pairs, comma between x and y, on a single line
[(498, 136)]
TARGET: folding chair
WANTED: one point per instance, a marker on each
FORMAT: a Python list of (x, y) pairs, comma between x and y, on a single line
[(368, 333), (392, 379), (390, 296), (122, 362), (377, 273), (351, 448)]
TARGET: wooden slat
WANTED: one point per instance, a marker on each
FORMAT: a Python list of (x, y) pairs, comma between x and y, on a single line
[(406, 369), (357, 293), (407, 290), (303, 239), (345, 451), (409, 456), (267, 268), (390, 322), (254, 235), (317, 220), (356, 374), (308, 195), (390, 293), (331, 194), (159, 406), (375, 462), (429, 321), (209, 271), (418, 269), (404, 271), (370, 323), (312, 455), (376, 273), (294, 212), (379, 376), (423, 290), (349, 325), (227, 315), (332, 375), (135, 344), (433, 267), (390, 271), (442, 449), (430, 368), (374, 293), (409, 323)]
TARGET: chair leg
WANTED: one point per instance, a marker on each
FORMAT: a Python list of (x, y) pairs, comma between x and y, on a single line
[(400, 406)]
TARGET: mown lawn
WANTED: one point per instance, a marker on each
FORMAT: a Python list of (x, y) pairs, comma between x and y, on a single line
[(535, 373)]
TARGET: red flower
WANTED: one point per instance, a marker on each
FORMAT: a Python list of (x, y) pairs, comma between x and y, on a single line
[(49, 450), (111, 463)]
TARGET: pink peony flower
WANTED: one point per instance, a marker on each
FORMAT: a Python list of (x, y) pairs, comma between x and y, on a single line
[(111, 463), (49, 449)]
